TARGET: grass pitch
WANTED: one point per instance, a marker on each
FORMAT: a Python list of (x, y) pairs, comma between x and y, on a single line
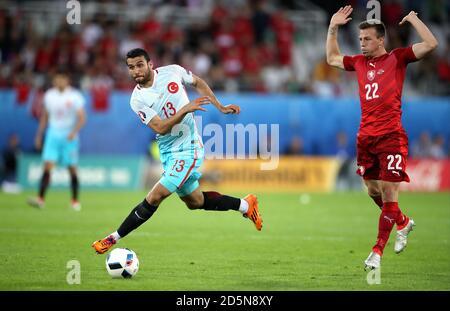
[(308, 242)]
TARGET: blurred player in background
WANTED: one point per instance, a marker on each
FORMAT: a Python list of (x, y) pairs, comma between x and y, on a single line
[(161, 102), (63, 116), (382, 144)]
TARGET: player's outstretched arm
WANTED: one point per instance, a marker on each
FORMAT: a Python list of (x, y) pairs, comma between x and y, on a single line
[(334, 56), (164, 126), (203, 89), (429, 42)]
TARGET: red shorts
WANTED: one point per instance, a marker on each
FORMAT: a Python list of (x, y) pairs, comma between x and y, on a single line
[(383, 157)]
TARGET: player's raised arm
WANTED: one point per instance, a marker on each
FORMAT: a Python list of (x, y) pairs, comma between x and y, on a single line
[(203, 89), (164, 126), (334, 56), (429, 42)]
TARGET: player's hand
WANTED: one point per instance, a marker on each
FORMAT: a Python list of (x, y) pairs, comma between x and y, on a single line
[(341, 17), (71, 136), (230, 109), (197, 104), (38, 142), (408, 17)]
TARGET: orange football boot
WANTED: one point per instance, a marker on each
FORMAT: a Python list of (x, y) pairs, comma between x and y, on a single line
[(253, 213), (102, 246)]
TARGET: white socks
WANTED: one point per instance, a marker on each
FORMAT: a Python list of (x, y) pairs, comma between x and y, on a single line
[(243, 208), (115, 235)]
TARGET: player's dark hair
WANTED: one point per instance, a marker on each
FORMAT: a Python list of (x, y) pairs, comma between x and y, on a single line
[(379, 26), (138, 52), (62, 71)]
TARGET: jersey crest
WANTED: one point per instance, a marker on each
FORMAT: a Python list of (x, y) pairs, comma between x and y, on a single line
[(371, 75)]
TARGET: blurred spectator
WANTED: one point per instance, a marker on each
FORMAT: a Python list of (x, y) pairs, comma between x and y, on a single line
[(10, 165), (342, 148), (284, 36), (346, 178), (392, 12), (203, 59), (233, 62), (152, 29), (295, 146), (276, 77), (437, 10), (443, 68), (260, 20), (422, 147), (224, 37), (325, 79), (437, 150), (243, 45), (91, 33)]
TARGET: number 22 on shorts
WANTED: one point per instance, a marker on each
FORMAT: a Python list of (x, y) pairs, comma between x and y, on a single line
[(391, 158)]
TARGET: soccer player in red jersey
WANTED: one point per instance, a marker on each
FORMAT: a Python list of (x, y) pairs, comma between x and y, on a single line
[(382, 144)]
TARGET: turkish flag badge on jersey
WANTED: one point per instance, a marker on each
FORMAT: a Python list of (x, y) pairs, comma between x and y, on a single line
[(172, 87)]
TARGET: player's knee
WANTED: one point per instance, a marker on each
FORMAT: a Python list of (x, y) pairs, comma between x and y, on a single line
[(373, 189), (48, 166), (390, 193), (374, 192), (155, 199), (194, 204)]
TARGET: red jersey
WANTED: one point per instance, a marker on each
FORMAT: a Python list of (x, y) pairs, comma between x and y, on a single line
[(380, 81)]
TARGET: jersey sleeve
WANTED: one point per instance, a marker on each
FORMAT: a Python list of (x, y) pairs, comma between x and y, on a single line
[(186, 75), (143, 109), (405, 55), (349, 62)]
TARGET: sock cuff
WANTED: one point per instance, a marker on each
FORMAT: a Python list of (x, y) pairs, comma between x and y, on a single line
[(390, 206), (148, 206), (211, 194)]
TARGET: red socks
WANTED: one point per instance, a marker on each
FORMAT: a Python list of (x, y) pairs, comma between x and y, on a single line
[(390, 215)]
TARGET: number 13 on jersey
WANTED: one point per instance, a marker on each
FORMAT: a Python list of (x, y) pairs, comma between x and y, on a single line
[(169, 110)]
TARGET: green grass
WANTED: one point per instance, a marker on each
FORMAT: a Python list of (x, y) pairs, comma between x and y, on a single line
[(320, 245)]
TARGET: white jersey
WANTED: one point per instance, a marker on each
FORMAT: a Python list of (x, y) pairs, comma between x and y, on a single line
[(62, 108), (165, 98)]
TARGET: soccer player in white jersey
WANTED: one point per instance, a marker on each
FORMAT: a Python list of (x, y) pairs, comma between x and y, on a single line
[(160, 101), (63, 116)]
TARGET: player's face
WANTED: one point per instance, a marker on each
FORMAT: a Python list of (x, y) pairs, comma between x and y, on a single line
[(139, 69), (369, 42), (60, 81)]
